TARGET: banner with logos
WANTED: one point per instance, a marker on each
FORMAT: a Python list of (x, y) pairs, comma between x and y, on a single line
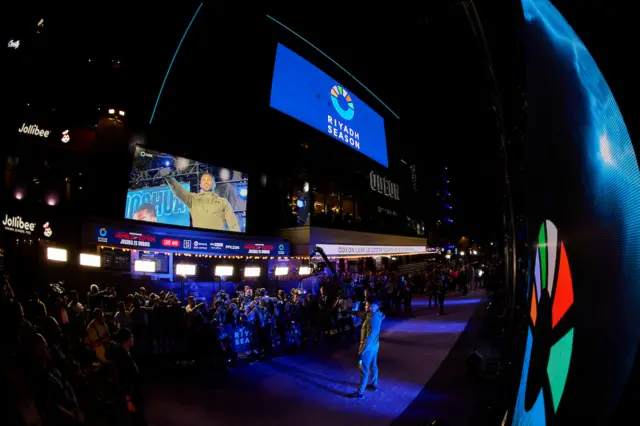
[(357, 250), (201, 245)]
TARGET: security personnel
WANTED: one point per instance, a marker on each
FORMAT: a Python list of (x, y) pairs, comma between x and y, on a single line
[(208, 209), (369, 345)]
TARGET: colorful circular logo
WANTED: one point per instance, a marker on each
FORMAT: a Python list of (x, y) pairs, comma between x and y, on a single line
[(550, 333), (338, 92), (103, 232)]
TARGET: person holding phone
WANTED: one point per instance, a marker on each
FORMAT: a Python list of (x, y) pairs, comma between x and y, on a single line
[(369, 346)]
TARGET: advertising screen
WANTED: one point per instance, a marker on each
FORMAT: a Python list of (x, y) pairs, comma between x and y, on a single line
[(300, 90), (150, 240), (178, 191), (582, 333)]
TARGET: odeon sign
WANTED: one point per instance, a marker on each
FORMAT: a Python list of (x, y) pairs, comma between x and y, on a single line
[(384, 186), (346, 250)]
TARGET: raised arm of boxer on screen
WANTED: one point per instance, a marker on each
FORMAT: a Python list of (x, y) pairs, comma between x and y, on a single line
[(185, 196)]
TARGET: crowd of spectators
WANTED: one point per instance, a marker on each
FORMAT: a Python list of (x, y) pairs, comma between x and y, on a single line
[(72, 358)]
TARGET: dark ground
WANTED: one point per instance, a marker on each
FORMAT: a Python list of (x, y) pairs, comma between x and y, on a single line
[(310, 388)]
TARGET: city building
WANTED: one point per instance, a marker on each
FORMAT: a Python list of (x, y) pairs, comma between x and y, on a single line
[(83, 158)]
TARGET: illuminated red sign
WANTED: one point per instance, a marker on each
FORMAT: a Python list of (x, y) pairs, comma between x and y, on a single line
[(168, 242), (258, 247), (135, 237)]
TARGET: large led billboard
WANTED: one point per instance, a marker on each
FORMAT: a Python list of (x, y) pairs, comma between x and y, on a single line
[(300, 90), (583, 207), (174, 190)]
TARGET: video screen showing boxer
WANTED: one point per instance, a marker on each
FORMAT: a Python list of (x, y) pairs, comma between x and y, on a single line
[(172, 190)]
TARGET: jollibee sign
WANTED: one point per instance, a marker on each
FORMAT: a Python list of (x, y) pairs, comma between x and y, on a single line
[(21, 226), (17, 224)]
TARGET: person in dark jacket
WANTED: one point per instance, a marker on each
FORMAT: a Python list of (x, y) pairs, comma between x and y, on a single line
[(368, 351), (128, 375)]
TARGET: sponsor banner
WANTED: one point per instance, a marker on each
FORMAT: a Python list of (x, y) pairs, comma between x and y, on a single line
[(213, 246), (350, 250)]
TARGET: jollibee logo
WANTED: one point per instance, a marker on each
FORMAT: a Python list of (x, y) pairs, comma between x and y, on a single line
[(47, 230), (65, 137)]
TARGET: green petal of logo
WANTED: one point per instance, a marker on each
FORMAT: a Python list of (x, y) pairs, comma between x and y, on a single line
[(549, 336), (338, 92)]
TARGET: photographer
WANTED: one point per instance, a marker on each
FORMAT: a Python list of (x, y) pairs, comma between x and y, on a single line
[(96, 298)]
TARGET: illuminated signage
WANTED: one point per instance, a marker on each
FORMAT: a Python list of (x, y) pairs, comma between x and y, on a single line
[(13, 44), (217, 246), (65, 137), (16, 224), (414, 177), (300, 90), (346, 250), (384, 186), (47, 230), (33, 129), (169, 242)]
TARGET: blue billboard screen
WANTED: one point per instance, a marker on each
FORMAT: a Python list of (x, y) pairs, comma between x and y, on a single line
[(300, 90)]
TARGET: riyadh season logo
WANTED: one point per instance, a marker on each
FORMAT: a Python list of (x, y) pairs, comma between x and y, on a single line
[(550, 333), (338, 92)]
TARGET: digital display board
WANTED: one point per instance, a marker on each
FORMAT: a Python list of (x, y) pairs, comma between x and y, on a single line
[(205, 245), (161, 260), (116, 260), (583, 212), (173, 190), (300, 90)]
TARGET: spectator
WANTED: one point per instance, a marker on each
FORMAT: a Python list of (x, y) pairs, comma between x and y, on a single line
[(98, 335), (54, 396), (128, 376), (122, 318), (35, 307)]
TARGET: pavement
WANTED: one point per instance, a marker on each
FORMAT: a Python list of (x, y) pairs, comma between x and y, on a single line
[(311, 388)]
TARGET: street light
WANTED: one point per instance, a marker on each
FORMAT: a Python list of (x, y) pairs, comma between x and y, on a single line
[(475, 252), (462, 253)]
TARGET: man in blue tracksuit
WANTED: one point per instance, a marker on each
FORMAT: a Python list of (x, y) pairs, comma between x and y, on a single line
[(368, 352)]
